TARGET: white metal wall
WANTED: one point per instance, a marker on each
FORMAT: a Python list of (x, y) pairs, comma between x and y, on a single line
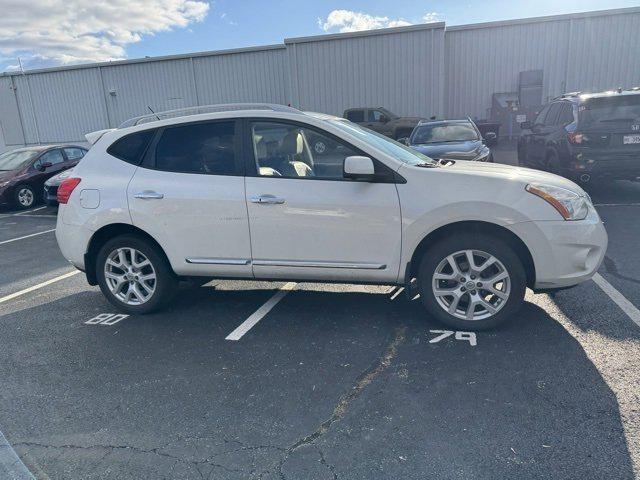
[(420, 70), (577, 52), (400, 69)]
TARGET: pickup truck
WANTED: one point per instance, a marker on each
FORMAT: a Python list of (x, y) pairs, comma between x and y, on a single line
[(381, 120)]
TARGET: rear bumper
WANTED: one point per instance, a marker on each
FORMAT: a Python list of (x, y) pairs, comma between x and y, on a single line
[(565, 253), (72, 240), (605, 164)]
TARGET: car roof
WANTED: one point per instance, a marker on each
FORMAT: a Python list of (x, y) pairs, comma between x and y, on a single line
[(578, 97)]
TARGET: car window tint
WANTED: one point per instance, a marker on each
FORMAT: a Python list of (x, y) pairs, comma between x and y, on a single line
[(552, 114), (130, 148), (541, 115), (566, 114), (356, 115), (53, 157), (206, 148), (374, 115), (292, 151), (74, 153)]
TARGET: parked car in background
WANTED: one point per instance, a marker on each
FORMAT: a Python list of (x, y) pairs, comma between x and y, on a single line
[(51, 187), (382, 121), (449, 140), (585, 137), (236, 193), (23, 171)]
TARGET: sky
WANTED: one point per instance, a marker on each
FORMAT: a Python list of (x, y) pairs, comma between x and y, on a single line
[(45, 33)]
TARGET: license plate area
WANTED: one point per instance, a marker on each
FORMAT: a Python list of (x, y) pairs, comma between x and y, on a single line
[(631, 139)]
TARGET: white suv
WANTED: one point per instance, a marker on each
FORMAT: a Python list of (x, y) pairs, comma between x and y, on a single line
[(236, 192)]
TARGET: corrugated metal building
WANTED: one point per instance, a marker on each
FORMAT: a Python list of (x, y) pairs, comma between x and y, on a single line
[(420, 70)]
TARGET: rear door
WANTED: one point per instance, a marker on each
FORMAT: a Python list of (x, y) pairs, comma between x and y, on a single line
[(542, 133), (189, 195)]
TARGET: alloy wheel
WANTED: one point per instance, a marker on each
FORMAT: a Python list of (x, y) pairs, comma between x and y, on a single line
[(471, 285), (130, 276), (25, 197)]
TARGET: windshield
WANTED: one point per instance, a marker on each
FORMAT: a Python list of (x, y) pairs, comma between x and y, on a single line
[(387, 145), (16, 159), (610, 110), (444, 132)]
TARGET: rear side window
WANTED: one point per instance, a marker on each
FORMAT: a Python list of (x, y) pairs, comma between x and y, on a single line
[(74, 153), (552, 114), (356, 115), (541, 115), (566, 114), (205, 148), (130, 148)]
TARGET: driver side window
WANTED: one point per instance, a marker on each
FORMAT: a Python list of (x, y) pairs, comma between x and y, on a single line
[(292, 151), (375, 115), (53, 157)]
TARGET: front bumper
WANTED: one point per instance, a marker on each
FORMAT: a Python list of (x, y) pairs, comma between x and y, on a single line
[(564, 253)]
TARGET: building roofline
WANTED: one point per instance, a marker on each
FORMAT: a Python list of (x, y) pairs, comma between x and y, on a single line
[(364, 33), (164, 58), (548, 18)]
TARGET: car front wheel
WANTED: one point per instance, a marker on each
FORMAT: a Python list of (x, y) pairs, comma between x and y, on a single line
[(134, 275), (472, 282), (25, 196)]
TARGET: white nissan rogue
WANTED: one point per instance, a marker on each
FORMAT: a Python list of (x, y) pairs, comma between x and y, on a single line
[(235, 191)]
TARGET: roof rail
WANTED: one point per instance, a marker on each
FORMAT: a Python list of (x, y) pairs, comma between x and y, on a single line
[(566, 95), (197, 110)]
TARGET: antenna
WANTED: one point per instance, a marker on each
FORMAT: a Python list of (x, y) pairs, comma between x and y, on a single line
[(151, 110)]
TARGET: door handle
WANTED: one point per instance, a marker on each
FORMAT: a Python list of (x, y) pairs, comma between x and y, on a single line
[(267, 199), (149, 195)]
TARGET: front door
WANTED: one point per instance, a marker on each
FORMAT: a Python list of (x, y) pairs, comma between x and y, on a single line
[(189, 195), (306, 220)]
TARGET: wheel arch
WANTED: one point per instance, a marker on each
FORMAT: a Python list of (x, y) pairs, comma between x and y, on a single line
[(477, 227), (106, 233)]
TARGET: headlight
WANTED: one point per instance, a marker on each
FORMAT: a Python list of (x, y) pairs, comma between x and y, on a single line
[(483, 155), (569, 204)]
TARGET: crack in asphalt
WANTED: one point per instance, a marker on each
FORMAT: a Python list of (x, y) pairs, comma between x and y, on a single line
[(363, 381), (339, 411), (611, 267)]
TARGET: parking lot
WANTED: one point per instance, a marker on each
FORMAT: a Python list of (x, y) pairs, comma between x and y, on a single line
[(333, 382)]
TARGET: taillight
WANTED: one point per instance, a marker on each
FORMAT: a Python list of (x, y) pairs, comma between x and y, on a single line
[(575, 138), (66, 188)]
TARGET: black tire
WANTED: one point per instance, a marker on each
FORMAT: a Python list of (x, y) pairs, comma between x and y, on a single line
[(485, 243), (166, 281), (552, 164), (18, 198)]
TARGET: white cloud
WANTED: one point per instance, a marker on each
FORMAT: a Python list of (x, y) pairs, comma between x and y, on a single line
[(349, 21), (73, 31), (431, 17)]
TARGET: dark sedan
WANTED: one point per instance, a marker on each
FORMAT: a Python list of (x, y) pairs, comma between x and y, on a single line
[(449, 140), (24, 171)]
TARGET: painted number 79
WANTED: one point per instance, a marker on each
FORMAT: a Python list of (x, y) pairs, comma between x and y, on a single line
[(464, 336)]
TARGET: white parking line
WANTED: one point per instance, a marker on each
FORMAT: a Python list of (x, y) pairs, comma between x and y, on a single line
[(38, 286), (256, 316), (27, 236), (625, 305), (25, 212)]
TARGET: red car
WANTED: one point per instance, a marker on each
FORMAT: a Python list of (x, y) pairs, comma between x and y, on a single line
[(23, 171)]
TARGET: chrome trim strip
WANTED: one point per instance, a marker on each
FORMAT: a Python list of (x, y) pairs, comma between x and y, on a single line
[(294, 263), (218, 261)]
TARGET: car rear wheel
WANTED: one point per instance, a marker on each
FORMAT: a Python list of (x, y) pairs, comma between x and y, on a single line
[(134, 275), (24, 196), (471, 282)]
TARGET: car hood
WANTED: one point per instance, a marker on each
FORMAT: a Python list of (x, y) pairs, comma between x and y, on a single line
[(508, 172), (4, 176), (452, 151)]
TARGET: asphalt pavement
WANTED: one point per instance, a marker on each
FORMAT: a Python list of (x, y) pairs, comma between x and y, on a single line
[(334, 382)]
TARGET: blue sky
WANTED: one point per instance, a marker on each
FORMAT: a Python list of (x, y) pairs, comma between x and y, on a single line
[(53, 32)]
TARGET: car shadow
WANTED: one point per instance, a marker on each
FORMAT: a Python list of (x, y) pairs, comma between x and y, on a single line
[(347, 383)]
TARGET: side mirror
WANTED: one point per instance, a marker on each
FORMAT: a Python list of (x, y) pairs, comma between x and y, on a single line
[(526, 125), (44, 165), (383, 119), (358, 168), (403, 140)]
